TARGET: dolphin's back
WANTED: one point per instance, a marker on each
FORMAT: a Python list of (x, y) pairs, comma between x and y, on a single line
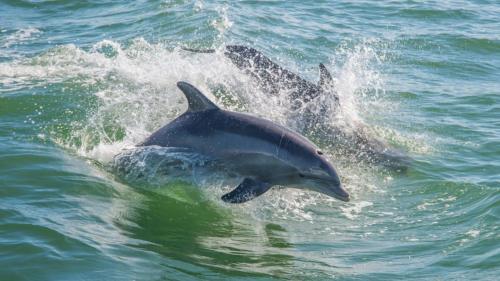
[(221, 133), (269, 75), (264, 130)]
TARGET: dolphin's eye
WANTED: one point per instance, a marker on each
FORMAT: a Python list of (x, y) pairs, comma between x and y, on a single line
[(319, 152), (301, 175)]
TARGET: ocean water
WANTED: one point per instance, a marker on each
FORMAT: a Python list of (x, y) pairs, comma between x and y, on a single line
[(83, 81)]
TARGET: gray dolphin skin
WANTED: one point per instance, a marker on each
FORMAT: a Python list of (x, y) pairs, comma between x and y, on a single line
[(265, 154), (272, 78)]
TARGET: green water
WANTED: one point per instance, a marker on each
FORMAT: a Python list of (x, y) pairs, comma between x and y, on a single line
[(80, 81)]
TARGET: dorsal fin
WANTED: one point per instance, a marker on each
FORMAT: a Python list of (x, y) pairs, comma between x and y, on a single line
[(196, 99), (324, 76)]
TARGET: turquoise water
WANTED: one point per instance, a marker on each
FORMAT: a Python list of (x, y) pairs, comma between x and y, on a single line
[(81, 81)]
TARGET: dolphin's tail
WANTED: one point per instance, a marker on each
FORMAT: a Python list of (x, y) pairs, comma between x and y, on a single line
[(206, 51)]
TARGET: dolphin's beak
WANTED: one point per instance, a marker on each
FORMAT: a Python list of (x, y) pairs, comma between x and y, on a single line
[(339, 192), (333, 187)]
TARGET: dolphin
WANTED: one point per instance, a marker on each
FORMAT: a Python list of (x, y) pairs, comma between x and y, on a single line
[(264, 153), (272, 78)]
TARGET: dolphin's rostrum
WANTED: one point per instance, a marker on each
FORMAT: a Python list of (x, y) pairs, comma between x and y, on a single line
[(265, 154)]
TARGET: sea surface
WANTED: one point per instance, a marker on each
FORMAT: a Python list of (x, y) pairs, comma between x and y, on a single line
[(82, 82)]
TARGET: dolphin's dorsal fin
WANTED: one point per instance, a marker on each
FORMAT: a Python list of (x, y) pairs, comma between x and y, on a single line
[(247, 190), (324, 76), (196, 99)]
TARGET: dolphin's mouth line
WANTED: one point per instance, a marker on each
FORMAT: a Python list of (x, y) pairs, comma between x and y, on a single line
[(336, 191), (342, 198), (329, 189)]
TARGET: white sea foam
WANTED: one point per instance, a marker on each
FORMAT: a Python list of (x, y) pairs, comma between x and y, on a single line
[(20, 36), (223, 23), (198, 5), (353, 211)]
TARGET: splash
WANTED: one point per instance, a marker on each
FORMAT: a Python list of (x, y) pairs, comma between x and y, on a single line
[(158, 166), (223, 23), (358, 81), (132, 92)]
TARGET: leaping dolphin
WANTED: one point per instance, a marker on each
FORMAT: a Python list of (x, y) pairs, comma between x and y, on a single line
[(265, 154)]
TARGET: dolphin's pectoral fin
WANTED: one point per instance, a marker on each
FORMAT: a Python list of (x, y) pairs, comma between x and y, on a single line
[(247, 190), (325, 77)]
